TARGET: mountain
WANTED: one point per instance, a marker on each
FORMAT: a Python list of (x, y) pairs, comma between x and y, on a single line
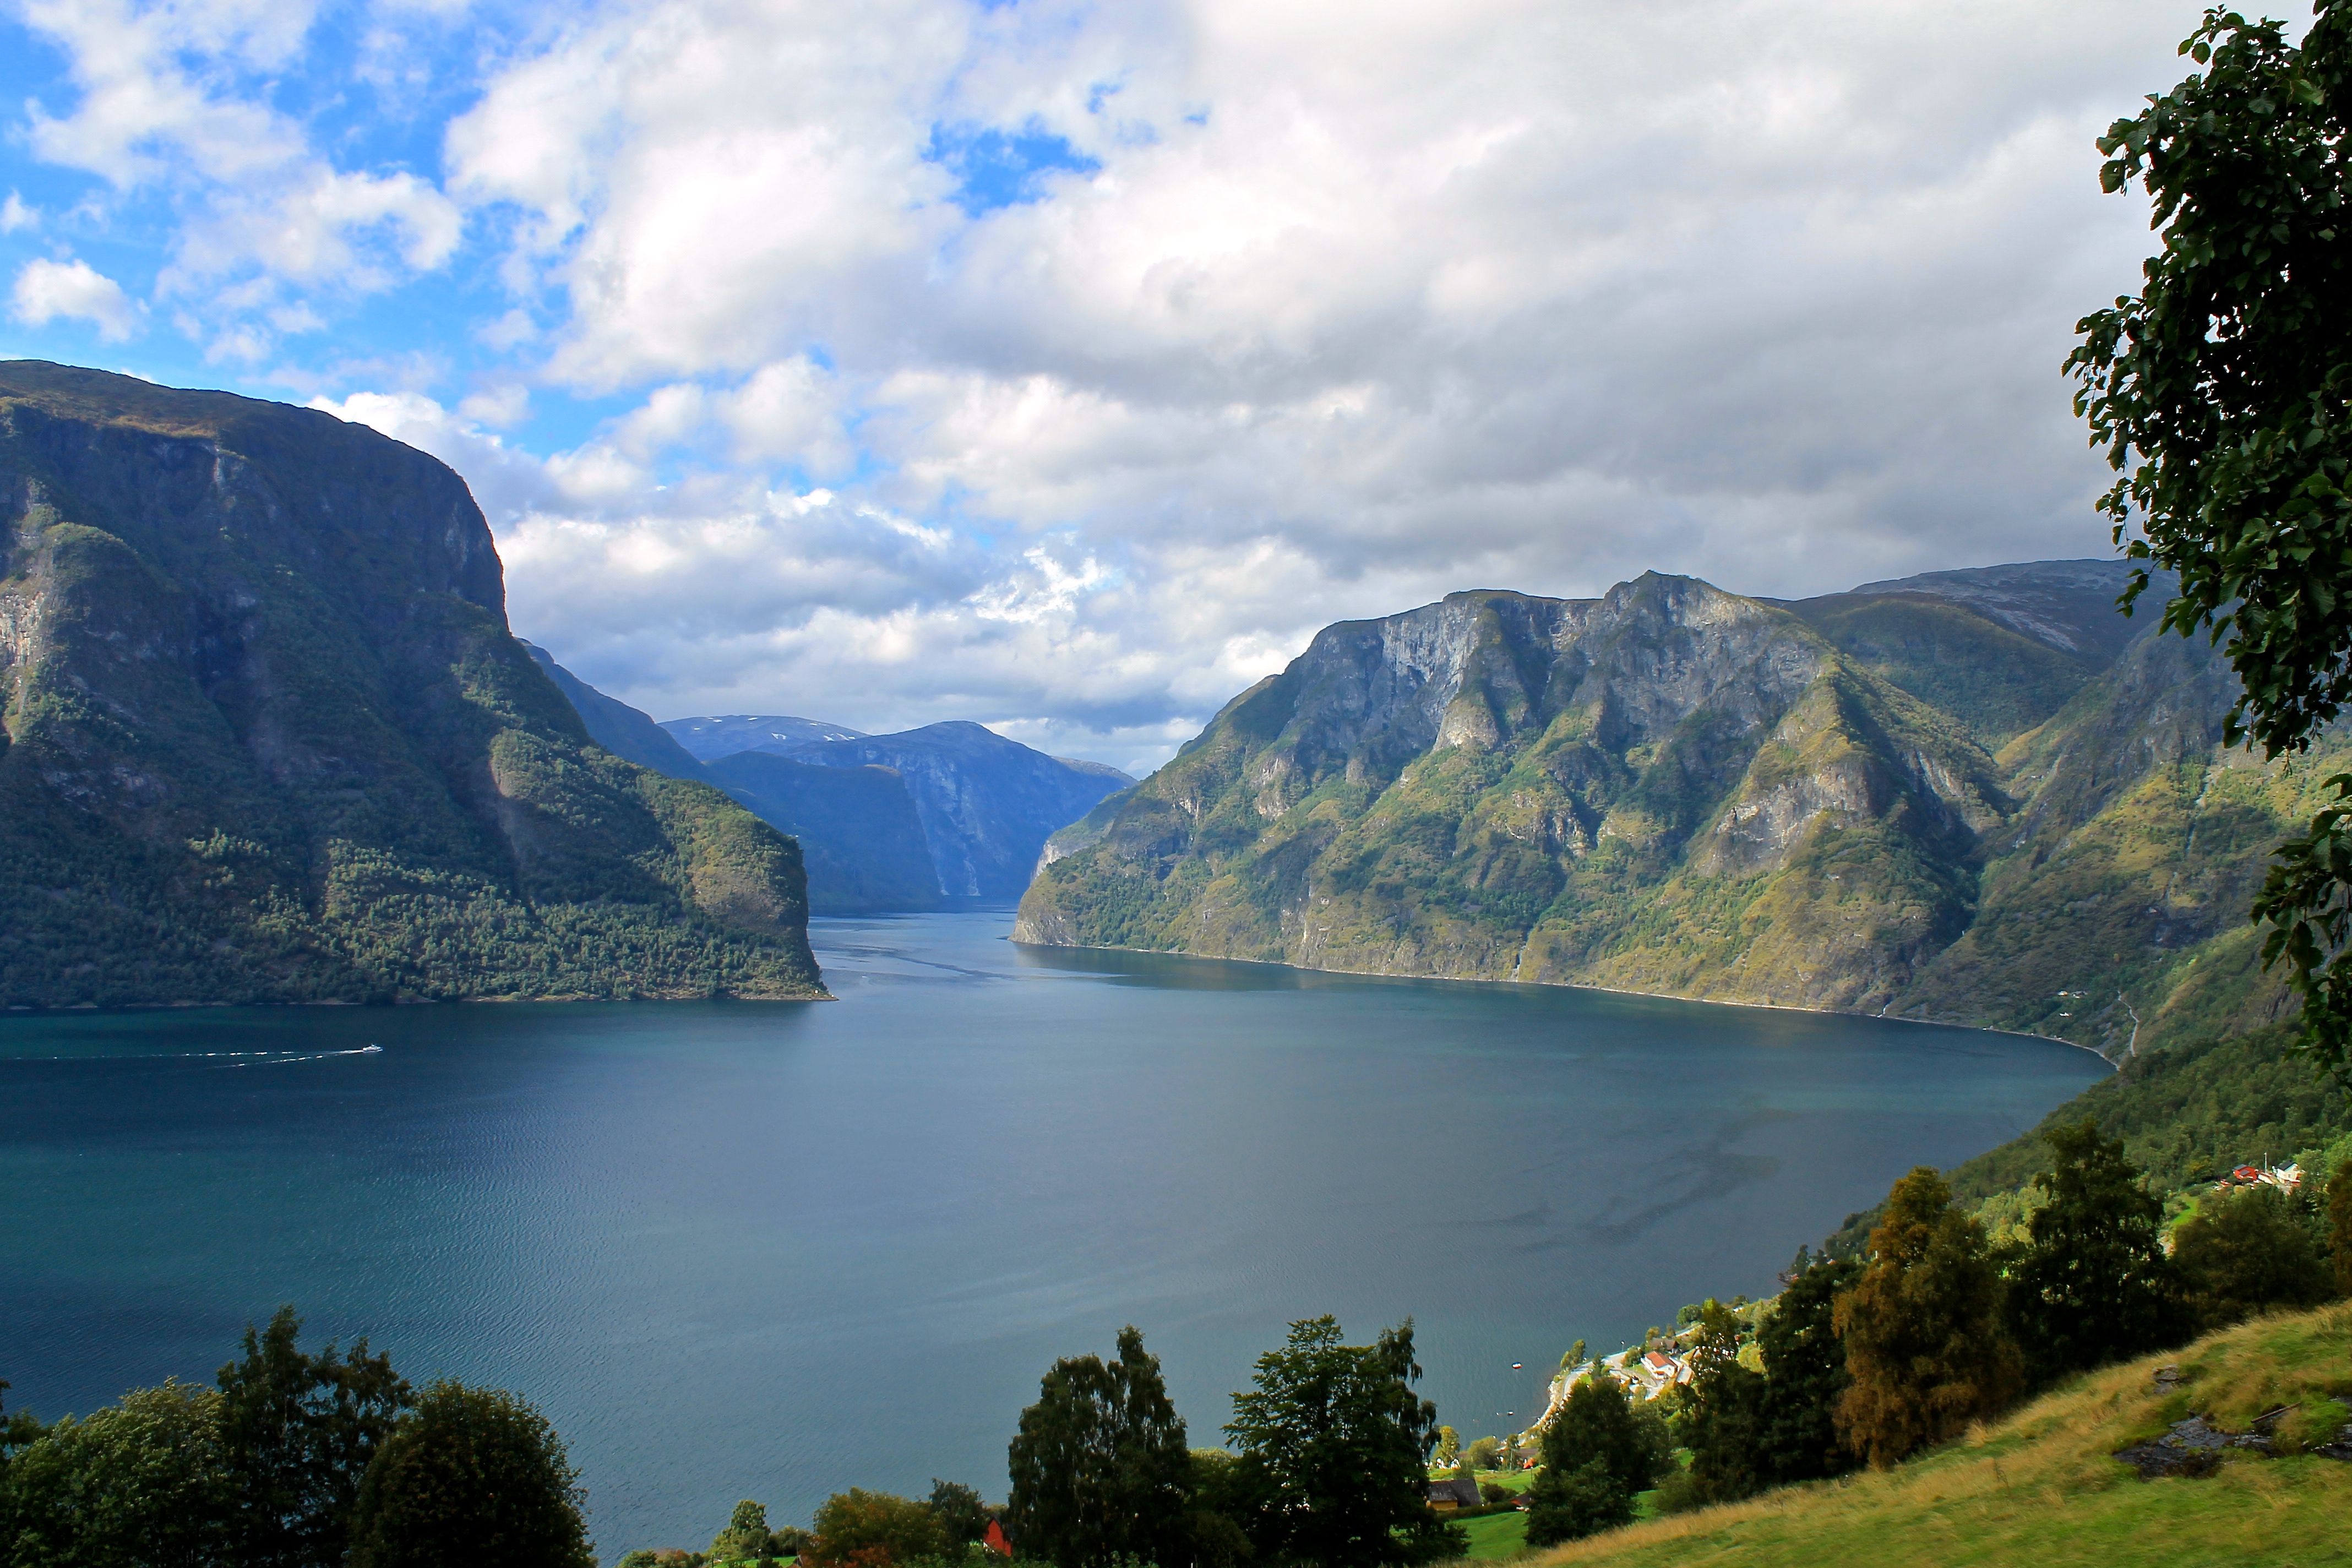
[(1953, 796), (725, 734), (617, 727), (857, 827), (860, 840), (268, 738), (986, 803)]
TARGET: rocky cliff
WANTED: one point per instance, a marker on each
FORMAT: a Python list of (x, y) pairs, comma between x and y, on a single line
[(1950, 797), (267, 737)]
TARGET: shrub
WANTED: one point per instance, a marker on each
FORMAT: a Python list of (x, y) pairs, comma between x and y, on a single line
[(2243, 1253), (858, 1529)]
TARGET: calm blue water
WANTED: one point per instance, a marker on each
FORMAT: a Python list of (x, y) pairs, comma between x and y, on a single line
[(773, 1251)]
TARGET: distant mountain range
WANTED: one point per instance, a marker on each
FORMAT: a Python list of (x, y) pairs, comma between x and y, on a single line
[(268, 738), (1981, 796), (727, 734), (885, 822)]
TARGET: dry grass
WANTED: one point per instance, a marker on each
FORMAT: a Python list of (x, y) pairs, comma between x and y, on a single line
[(2041, 1487)]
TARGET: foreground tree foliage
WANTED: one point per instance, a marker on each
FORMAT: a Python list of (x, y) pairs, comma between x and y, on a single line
[(1099, 1466), (1723, 1419), (1597, 1452), (145, 1483), (299, 1432), (2222, 394), (1805, 1376), (2243, 1253), (1335, 1440), (2093, 1286), (472, 1475), (1925, 1344), (858, 1529)]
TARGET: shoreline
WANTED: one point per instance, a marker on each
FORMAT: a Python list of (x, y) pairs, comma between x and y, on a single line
[(2112, 1066)]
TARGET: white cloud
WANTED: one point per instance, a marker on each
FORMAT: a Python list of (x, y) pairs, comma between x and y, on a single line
[(74, 289), (175, 97), (15, 213), (1326, 309)]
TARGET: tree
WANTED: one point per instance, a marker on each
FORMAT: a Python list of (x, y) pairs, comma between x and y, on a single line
[(470, 1476), (298, 1433), (858, 1529), (1805, 1374), (2339, 1228), (1449, 1447), (142, 1483), (2093, 1286), (2243, 1253), (960, 1510), (1342, 1443), (1099, 1466), (1577, 1503), (1925, 1344), (2222, 395), (1227, 1498), (1596, 1426), (1484, 1454), (745, 1539), (1724, 1417)]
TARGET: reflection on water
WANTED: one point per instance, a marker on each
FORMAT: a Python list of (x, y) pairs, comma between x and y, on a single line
[(775, 1249)]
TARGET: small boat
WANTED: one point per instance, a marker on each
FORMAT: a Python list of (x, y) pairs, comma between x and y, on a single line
[(365, 1049), (1517, 1364)]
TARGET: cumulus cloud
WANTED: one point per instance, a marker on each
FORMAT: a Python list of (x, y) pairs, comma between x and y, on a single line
[(176, 97), (1066, 366), (74, 289)]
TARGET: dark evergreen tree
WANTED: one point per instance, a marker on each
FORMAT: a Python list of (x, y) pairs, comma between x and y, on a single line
[(2093, 1285), (1926, 1345), (1099, 1466), (1340, 1442), (470, 1476), (1723, 1418), (298, 1433), (1805, 1375), (1595, 1425), (2245, 1253)]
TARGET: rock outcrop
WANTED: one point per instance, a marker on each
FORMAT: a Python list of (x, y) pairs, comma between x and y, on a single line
[(267, 737)]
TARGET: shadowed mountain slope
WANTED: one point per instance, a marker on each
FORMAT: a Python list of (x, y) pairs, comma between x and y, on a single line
[(267, 737), (859, 838)]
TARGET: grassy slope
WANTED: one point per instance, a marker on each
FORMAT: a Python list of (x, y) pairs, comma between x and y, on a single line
[(2040, 1488)]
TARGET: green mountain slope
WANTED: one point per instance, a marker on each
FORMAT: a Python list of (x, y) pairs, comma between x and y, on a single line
[(1673, 789), (267, 737)]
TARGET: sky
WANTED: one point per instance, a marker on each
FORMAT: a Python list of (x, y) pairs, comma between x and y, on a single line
[(1066, 366)]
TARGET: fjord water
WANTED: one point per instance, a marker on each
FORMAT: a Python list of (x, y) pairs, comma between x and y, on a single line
[(774, 1250)]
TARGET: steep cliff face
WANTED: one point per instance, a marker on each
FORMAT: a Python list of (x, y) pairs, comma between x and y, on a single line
[(269, 737), (1674, 789), (1508, 787)]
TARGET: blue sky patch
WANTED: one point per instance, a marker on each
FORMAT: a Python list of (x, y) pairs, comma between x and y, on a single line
[(999, 168)]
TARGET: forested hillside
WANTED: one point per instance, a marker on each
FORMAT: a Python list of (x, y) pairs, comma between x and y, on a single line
[(1981, 796), (267, 737)]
